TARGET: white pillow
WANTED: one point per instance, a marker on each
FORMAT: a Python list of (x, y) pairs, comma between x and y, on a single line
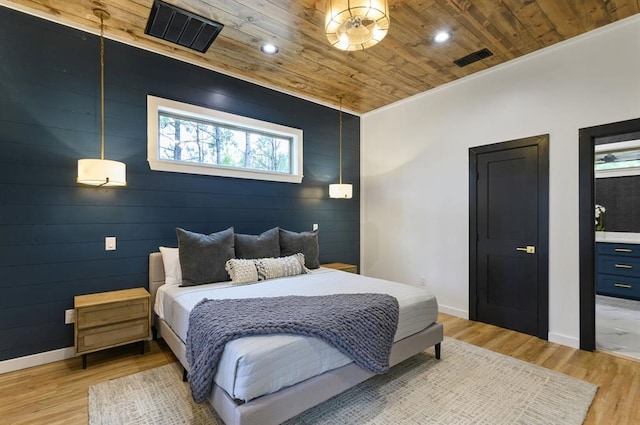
[(241, 271), (273, 268), (171, 261)]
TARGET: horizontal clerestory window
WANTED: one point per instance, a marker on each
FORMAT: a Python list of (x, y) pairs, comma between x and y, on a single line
[(191, 139)]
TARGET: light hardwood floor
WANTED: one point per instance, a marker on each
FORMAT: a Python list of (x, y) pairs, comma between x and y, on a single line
[(56, 393)]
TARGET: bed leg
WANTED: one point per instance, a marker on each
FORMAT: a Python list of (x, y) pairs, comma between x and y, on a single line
[(184, 375), (438, 347)]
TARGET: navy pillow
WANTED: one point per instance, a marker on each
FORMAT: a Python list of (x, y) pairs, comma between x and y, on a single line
[(203, 257), (306, 243), (264, 245)]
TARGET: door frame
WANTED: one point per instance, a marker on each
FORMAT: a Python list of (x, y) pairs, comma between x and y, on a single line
[(587, 232), (542, 249)]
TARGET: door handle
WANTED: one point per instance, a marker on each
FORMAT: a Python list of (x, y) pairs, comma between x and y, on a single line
[(529, 249)]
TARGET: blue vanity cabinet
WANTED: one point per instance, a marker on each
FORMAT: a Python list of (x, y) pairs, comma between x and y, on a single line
[(618, 270)]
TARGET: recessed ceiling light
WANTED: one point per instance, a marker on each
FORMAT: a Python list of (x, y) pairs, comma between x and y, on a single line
[(442, 36), (269, 49)]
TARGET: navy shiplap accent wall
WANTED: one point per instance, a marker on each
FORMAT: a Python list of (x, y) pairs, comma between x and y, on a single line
[(621, 197), (52, 230)]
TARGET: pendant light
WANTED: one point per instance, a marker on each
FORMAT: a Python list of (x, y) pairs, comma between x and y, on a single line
[(101, 172), (340, 190), (356, 24)]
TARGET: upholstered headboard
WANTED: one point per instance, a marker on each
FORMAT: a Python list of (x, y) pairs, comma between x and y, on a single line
[(156, 275)]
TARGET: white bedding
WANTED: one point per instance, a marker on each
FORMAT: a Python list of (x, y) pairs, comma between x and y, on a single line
[(258, 365)]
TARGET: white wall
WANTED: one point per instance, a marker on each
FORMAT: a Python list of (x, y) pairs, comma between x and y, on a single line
[(415, 209)]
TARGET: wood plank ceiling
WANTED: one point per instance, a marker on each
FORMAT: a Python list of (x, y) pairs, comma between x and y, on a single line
[(405, 63)]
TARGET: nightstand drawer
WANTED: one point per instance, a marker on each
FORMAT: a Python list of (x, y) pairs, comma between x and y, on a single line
[(94, 339), (104, 314)]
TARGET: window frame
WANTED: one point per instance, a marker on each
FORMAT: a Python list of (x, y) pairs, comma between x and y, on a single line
[(156, 105)]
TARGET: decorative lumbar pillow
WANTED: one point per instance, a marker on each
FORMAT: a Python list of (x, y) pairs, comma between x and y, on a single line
[(305, 242), (203, 257), (171, 263), (266, 244), (272, 268), (242, 271)]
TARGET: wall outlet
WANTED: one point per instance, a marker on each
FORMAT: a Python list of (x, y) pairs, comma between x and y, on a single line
[(315, 226), (110, 243), (69, 316), (423, 281)]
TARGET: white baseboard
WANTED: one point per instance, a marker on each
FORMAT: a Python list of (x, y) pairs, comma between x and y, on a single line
[(464, 314), (569, 341), (36, 359)]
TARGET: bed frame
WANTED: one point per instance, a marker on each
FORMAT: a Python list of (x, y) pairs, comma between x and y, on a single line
[(275, 408)]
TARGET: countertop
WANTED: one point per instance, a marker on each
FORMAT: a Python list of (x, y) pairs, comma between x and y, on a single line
[(618, 237)]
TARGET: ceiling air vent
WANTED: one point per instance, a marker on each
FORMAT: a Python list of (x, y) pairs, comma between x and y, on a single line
[(181, 27), (473, 57)]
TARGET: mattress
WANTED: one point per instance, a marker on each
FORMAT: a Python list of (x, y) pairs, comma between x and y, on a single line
[(258, 365)]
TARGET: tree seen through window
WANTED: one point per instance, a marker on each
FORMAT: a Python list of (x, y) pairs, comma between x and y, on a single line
[(191, 140)]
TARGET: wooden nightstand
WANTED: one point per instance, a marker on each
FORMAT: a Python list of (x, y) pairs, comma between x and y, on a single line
[(110, 319), (342, 266)]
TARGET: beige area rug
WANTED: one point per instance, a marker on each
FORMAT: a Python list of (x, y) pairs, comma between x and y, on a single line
[(469, 385)]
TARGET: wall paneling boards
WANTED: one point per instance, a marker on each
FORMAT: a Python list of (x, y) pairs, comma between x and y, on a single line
[(52, 230)]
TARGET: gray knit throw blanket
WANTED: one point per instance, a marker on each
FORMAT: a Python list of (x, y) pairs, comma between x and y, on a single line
[(361, 326)]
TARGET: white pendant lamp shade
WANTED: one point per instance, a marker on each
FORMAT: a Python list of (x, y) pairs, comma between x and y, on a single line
[(342, 190), (356, 24), (102, 172)]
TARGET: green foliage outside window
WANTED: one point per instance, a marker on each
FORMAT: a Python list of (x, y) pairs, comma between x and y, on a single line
[(190, 140)]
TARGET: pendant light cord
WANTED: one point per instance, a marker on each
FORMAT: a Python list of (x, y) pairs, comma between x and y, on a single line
[(340, 138), (101, 85)]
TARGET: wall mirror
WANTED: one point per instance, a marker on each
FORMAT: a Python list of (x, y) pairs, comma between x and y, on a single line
[(617, 159)]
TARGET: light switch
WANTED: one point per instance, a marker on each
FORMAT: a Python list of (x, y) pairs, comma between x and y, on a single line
[(315, 226), (110, 243)]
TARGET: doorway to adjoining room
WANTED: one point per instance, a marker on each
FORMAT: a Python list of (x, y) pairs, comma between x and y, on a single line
[(617, 225), (610, 238)]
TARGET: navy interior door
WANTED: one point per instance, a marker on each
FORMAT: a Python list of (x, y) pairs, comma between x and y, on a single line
[(509, 224)]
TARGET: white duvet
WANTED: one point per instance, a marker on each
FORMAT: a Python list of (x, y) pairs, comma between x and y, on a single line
[(258, 365)]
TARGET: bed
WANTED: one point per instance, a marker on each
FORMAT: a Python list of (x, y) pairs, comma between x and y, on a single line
[(264, 380)]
